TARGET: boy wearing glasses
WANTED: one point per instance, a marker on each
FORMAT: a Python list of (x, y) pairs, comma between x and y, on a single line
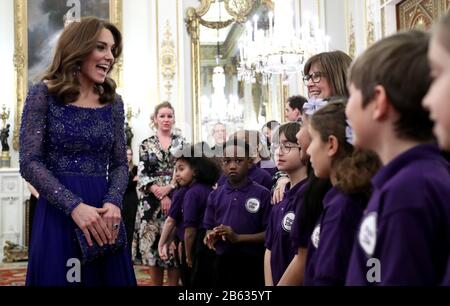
[(279, 250), (236, 219)]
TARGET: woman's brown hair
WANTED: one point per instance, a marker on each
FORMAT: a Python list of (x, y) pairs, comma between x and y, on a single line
[(354, 168), (335, 66), (75, 44)]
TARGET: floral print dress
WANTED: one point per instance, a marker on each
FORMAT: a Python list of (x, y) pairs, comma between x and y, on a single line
[(155, 167)]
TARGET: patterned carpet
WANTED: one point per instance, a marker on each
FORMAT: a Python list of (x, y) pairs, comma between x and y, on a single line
[(14, 275)]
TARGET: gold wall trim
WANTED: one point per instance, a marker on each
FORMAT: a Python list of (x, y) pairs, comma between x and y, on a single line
[(116, 17), (20, 64), (178, 55), (158, 78), (21, 56), (168, 61)]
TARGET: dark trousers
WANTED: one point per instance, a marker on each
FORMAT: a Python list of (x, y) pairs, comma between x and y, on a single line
[(184, 269), (203, 263), (238, 271)]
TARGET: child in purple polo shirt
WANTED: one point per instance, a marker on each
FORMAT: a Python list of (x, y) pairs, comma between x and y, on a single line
[(195, 174), (404, 236), (205, 174), (309, 208), (350, 171), (279, 251), (259, 154), (236, 218), (173, 227)]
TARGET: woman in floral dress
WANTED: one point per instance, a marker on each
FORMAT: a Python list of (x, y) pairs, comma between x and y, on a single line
[(155, 171)]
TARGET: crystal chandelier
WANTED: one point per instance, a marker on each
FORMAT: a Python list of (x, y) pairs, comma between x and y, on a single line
[(279, 46), (217, 107)]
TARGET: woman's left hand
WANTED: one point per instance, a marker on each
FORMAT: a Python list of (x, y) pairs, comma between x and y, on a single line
[(112, 218), (162, 191)]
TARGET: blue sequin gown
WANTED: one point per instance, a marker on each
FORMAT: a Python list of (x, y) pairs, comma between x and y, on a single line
[(72, 154)]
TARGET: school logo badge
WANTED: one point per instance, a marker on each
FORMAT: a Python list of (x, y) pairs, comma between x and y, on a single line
[(315, 237), (368, 233), (252, 205), (287, 221)]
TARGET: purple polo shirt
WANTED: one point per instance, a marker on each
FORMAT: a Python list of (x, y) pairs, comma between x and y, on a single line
[(194, 205), (299, 239), (405, 232), (332, 240), (176, 210), (277, 238), (256, 174), (245, 209)]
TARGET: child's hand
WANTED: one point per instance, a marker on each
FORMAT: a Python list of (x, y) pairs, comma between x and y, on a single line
[(173, 249), (210, 240), (189, 262), (227, 233), (163, 252)]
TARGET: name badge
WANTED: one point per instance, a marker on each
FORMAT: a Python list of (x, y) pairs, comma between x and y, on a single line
[(315, 237), (252, 205), (287, 221), (367, 236)]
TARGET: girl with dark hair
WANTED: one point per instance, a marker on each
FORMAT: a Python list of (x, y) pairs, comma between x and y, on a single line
[(195, 173), (350, 171)]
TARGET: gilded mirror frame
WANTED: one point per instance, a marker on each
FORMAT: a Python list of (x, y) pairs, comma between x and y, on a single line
[(239, 10), (21, 56)]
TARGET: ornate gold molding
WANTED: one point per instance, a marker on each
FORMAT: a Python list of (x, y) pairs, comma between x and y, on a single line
[(350, 29), (420, 14), (216, 24), (369, 23), (239, 9), (20, 64), (168, 60), (116, 17), (21, 56)]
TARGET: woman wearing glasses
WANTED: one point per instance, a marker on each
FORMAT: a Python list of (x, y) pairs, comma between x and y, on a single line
[(325, 75)]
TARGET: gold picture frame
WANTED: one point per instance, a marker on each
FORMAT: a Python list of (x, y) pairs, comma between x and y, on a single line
[(21, 56)]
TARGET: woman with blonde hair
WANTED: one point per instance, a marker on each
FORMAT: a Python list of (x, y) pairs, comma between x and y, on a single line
[(156, 182)]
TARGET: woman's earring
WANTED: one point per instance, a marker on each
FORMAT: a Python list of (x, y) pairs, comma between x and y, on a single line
[(77, 70)]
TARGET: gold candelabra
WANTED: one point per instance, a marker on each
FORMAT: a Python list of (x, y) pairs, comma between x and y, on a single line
[(5, 160), (5, 115), (130, 114)]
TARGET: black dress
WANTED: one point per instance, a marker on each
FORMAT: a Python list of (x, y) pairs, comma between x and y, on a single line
[(130, 204)]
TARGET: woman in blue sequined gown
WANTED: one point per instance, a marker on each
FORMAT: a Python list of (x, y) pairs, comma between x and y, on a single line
[(72, 149)]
